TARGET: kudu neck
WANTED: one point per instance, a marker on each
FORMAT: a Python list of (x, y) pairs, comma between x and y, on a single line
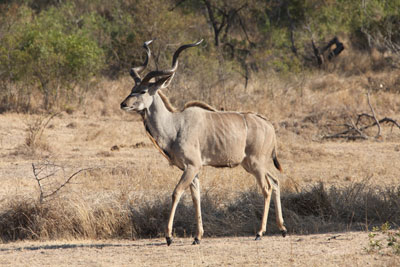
[(160, 122), (158, 110)]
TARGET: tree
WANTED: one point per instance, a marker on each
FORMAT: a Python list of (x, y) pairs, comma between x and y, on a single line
[(47, 53)]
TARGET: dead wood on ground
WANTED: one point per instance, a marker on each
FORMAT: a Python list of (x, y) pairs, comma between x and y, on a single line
[(357, 130)]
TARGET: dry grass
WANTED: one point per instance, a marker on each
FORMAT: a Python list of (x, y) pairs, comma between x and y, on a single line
[(62, 219), (128, 195), (35, 140), (316, 210)]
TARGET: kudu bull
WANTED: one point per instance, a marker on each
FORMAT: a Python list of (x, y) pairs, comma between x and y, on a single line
[(202, 136)]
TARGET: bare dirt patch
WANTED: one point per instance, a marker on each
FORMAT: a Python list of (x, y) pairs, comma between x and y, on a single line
[(335, 249)]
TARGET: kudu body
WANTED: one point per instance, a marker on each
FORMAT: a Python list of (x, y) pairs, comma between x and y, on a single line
[(202, 136)]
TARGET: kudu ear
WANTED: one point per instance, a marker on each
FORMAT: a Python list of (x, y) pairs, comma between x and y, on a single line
[(160, 83)]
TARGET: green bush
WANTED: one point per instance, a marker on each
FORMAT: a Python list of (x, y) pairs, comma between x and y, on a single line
[(48, 54), (49, 48)]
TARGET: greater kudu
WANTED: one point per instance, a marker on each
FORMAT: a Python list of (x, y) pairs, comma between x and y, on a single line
[(199, 136)]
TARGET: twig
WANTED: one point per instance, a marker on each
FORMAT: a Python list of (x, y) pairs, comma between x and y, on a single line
[(358, 130), (66, 182), (378, 135), (359, 116), (38, 181), (382, 121), (38, 170), (350, 128), (344, 136), (43, 126)]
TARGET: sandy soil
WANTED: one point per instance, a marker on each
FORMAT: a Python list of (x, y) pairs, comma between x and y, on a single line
[(339, 249), (83, 141)]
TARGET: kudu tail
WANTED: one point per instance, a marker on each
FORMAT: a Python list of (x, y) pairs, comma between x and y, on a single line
[(276, 162)]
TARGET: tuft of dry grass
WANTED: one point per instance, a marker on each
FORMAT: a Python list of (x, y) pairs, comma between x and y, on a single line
[(35, 141), (60, 219), (318, 209)]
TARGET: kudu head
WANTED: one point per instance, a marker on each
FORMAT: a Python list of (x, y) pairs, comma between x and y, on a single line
[(141, 96)]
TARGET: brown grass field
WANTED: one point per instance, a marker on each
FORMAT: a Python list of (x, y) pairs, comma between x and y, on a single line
[(128, 170)]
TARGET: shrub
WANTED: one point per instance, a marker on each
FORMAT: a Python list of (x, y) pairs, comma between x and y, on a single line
[(48, 54), (50, 49)]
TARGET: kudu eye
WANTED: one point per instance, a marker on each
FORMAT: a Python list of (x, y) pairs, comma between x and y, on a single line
[(142, 92)]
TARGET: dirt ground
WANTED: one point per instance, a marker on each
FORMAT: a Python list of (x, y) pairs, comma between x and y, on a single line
[(336, 249), (120, 142), (128, 162)]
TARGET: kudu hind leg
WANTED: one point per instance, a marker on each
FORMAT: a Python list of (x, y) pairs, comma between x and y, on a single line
[(277, 201), (195, 190), (186, 179), (267, 191)]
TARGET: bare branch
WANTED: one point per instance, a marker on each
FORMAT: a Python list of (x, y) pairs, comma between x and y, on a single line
[(317, 54), (386, 119), (39, 183), (217, 28), (50, 170), (378, 135), (354, 131), (363, 136), (44, 125), (66, 182), (291, 28), (243, 26)]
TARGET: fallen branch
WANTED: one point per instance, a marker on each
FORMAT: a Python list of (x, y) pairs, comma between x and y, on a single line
[(378, 135), (355, 131), (345, 134)]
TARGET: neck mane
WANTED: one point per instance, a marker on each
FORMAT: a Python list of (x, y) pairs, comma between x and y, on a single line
[(172, 109), (167, 104)]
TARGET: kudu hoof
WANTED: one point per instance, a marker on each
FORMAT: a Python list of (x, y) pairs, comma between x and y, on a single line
[(258, 237), (196, 241), (284, 232), (169, 240)]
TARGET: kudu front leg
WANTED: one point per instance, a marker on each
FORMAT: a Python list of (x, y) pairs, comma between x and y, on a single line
[(195, 190), (186, 179)]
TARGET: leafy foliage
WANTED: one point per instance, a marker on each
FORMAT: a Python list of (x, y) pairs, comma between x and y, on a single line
[(50, 48), (46, 52)]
